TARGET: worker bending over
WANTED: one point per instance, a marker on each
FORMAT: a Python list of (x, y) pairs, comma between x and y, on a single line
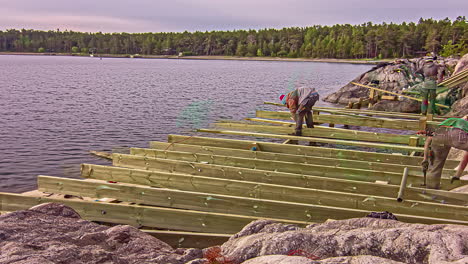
[(453, 132), (300, 102)]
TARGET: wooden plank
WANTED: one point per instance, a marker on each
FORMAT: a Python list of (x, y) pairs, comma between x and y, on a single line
[(206, 202), (367, 112), (267, 169), (303, 150), (314, 139), (305, 159), (321, 206), (179, 239), (400, 124), (137, 215), (250, 187), (317, 131), (280, 166), (397, 94)]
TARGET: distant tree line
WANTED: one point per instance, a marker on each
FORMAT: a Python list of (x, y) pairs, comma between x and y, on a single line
[(444, 37)]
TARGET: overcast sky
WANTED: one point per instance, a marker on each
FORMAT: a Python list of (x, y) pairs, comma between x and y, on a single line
[(202, 15)]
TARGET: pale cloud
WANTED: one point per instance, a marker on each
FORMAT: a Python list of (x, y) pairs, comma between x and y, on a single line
[(191, 15)]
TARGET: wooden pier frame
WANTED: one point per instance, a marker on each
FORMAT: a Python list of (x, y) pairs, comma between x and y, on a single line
[(136, 215), (401, 124), (310, 209), (305, 159), (363, 144), (205, 189), (322, 132), (268, 173), (399, 115), (250, 186), (302, 150)]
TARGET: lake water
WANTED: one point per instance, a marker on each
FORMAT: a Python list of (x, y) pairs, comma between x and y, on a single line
[(54, 110)]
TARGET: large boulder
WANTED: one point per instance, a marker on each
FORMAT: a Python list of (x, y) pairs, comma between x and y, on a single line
[(55, 233), (460, 107), (395, 76), (359, 240), (281, 259)]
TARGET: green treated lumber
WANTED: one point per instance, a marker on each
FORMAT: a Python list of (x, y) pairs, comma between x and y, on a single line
[(302, 192), (319, 131), (262, 175), (315, 139), (322, 206), (356, 134), (365, 112), (458, 78), (179, 239), (303, 150), (318, 160), (280, 166), (206, 202), (385, 91), (400, 124), (137, 215)]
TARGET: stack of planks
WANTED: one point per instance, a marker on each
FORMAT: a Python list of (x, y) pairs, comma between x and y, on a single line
[(194, 191)]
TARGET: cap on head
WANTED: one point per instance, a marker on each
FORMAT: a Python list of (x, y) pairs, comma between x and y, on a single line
[(283, 98)]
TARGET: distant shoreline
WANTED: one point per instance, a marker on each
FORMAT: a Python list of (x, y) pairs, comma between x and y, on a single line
[(352, 61)]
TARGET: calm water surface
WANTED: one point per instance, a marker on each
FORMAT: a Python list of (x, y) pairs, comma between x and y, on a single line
[(53, 110)]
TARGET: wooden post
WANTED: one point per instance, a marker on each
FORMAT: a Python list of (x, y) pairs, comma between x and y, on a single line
[(402, 185), (423, 123), (371, 98)]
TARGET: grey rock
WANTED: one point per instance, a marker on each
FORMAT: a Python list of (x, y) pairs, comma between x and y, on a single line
[(281, 259), (461, 65), (389, 240), (460, 107), (403, 105), (54, 233), (199, 261), (394, 77)]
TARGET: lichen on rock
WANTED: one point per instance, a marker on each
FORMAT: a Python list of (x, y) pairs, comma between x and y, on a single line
[(54, 233), (401, 75), (353, 239)]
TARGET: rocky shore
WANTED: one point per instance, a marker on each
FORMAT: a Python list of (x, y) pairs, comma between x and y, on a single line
[(54, 233), (402, 75)]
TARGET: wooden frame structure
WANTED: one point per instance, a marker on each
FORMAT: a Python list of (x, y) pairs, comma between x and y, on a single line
[(195, 191)]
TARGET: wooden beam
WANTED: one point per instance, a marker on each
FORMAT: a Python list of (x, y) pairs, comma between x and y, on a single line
[(367, 112), (317, 131), (302, 193), (279, 166), (400, 124), (137, 215), (389, 92), (266, 169), (303, 150), (206, 202), (305, 159), (324, 205), (315, 139), (179, 239)]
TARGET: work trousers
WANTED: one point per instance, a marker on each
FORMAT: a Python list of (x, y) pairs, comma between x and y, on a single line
[(443, 140), (305, 111), (428, 93)]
